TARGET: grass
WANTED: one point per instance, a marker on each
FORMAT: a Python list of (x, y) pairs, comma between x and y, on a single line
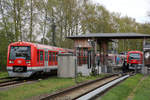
[(3, 74), (43, 86), (123, 90), (82, 79), (143, 90)]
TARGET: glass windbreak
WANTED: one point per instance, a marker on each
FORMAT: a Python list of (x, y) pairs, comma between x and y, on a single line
[(134, 56), (20, 52)]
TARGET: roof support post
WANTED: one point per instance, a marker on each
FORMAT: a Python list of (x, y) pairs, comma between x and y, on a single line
[(104, 55), (144, 41)]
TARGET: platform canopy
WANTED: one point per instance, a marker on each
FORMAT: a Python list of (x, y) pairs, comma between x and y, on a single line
[(112, 36)]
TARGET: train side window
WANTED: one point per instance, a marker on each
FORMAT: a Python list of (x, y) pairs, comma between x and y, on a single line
[(37, 55), (41, 55), (54, 56), (50, 57)]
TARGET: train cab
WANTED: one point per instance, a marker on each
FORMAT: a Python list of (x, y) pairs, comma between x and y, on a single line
[(134, 60)]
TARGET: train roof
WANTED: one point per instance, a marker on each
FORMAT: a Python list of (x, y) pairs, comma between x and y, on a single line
[(38, 46), (135, 52)]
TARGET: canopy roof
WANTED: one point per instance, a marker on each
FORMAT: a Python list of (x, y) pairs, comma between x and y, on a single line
[(112, 36)]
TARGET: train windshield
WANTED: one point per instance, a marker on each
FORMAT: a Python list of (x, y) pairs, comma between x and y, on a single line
[(20, 52), (134, 56)]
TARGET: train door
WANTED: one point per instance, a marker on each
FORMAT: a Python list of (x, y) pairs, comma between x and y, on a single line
[(50, 60), (41, 61), (54, 58), (56, 63), (38, 57), (46, 58)]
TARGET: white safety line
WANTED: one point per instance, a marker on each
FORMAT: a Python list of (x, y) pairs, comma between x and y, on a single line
[(101, 89)]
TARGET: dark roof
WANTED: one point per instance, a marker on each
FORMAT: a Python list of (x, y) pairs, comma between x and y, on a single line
[(112, 36)]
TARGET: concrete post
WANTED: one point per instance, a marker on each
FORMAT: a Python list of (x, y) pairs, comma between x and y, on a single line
[(144, 70), (66, 65)]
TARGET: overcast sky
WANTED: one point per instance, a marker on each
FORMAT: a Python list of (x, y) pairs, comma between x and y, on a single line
[(137, 9)]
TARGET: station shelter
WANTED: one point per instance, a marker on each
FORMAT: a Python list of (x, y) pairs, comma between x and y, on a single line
[(89, 59)]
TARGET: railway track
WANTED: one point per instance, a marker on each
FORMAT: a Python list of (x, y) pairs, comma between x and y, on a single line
[(4, 78), (80, 92), (8, 81), (11, 82), (98, 91)]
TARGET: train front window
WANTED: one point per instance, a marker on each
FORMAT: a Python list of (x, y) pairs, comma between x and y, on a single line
[(20, 52), (134, 56)]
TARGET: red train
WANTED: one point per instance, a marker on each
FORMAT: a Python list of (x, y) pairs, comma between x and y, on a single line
[(134, 60), (25, 59)]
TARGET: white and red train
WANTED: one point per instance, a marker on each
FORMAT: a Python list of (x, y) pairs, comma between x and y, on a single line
[(25, 59), (134, 60)]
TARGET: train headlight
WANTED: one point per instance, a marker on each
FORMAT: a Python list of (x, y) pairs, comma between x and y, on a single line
[(28, 62), (11, 62), (147, 54)]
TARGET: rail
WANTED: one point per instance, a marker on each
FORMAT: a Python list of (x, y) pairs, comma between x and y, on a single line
[(101, 89), (80, 90)]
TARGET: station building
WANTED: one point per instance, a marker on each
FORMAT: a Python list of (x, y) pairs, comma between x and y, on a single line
[(92, 54)]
